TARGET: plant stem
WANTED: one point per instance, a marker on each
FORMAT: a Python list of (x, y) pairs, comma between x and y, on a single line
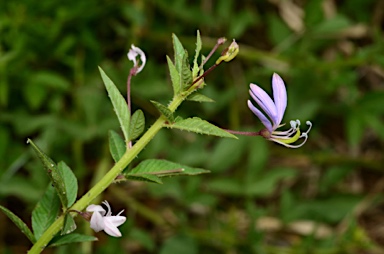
[(205, 73), (244, 133), (127, 158)]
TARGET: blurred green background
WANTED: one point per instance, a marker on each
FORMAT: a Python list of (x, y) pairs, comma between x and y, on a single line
[(325, 197)]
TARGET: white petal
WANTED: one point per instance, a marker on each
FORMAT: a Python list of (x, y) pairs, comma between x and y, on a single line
[(97, 222), (112, 231), (111, 224), (96, 208), (109, 211), (115, 220), (132, 54)]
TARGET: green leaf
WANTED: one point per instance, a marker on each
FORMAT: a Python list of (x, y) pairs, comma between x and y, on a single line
[(69, 225), (375, 123), (277, 29), (144, 238), (226, 186), (371, 102), (232, 150), (175, 77), (179, 53), (35, 94), (354, 128), (332, 25), (179, 244), (71, 238), (45, 212), (318, 209), (137, 124), (199, 98), (143, 178), (266, 183), (53, 173), (70, 182), (19, 223), (333, 176), (195, 69), (164, 111), (163, 168), (119, 104), (186, 72), (116, 145), (200, 126)]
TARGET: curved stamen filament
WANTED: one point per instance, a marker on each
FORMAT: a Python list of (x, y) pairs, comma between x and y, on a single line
[(287, 139)]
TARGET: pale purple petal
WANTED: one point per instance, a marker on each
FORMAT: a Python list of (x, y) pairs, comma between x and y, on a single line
[(279, 97), (264, 101), (261, 116), (96, 208), (97, 222)]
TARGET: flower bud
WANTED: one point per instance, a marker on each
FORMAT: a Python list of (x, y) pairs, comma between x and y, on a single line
[(229, 53)]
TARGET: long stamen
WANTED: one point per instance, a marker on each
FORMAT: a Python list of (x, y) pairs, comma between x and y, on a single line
[(309, 129), (292, 146), (286, 134), (304, 135)]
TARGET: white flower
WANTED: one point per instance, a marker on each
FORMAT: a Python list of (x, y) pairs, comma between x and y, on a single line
[(103, 220), (132, 54)]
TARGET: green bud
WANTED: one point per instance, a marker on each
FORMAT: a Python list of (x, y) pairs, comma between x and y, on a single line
[(229, 53)]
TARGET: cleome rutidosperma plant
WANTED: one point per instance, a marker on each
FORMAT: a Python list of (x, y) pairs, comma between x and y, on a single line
[(53, 217)]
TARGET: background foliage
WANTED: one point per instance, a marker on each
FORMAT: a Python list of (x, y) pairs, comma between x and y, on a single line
[(260, 197)]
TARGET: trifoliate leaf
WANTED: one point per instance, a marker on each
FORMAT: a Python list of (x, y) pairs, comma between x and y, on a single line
[(186, 72), (69, 225), (53, 173), (164, 111), (45, 212), (19, 223), (179, 53), (195, 70), (163, 168), (199, 98), (137, 124), (70, 182), (119, 104), (71, 238), (116, 145), (143, 178), (175, 77), (200, 126)]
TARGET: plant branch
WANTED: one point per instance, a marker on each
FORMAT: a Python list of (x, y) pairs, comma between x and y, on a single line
[(108, 179)]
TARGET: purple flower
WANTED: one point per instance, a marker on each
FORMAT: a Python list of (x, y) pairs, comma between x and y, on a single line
[(274, 112)]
